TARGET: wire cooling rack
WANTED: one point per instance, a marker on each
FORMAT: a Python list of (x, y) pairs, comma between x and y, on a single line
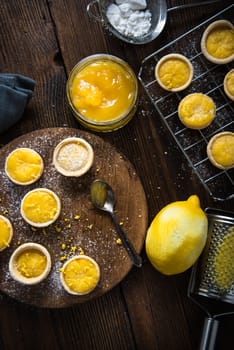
[(208, 78)]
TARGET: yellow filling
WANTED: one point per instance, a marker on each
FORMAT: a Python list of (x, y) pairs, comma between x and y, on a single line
[(24, 165), (5, 233), (72, 156), (40, 206), (197, 110), (81, 275), (229, 81), (31, 263), (224, 267), (174, 73), (103, 91), (220, 42), (223, 150)]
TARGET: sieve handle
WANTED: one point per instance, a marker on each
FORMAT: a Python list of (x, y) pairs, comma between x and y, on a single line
[(90, 12), (209, 334), (195, 4)]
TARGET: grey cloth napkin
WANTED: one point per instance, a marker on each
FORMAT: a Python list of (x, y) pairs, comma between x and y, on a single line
[(15, 92)]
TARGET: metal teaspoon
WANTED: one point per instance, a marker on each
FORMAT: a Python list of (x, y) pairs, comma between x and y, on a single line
[(103, 198)]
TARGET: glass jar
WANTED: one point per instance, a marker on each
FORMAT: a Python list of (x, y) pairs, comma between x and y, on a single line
[(102, 91)]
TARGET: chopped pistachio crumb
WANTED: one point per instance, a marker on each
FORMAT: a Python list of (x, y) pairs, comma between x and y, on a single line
[(44, 231), (121, 223), (77, 217), (33, 229), (63, 258), (118, 241), (90, 226), (63, 246), (66, 219), (5, 211)]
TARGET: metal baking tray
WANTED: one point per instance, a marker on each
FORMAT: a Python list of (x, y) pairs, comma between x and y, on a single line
[(208, 78)]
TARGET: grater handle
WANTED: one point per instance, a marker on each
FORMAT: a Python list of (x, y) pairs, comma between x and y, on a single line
[(209, 334)]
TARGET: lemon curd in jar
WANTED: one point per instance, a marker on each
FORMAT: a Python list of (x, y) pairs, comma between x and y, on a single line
[(102, 91)]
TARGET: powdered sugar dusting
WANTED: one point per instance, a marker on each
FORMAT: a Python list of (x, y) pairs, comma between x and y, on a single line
[(80, 228)]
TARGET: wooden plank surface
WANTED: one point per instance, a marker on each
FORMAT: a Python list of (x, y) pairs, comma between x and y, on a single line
[(93, 233), (43, 40)]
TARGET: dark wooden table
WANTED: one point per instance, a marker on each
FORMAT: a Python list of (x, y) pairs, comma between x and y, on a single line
[(44, 39)]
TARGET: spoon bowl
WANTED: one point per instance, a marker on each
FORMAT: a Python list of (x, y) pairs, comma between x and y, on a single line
[(103, 198)]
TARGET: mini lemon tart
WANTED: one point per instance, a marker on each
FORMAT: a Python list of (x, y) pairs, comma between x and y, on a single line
[(73, 156), (174, 72), (228, 84), (24, 166), (196, 111), (80, 275), (40, 207), (30, 263), (6, 232), (217, 43), (220, 150)]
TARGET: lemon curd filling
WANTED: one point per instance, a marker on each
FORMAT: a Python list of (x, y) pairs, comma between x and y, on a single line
[(174, 73), (220, 42), (221, 149), (103, 91), (196, 111), (229, 84), (81, 275), (40, 206), (24, 166), (5, 233), (31, 263)]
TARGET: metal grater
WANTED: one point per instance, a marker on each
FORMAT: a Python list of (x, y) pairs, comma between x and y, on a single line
[(211, 284)]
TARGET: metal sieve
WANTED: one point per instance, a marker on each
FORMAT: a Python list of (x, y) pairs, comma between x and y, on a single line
[(158, 9), (211, 284)]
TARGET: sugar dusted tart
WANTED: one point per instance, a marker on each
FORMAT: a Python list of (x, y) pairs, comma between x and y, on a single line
[(73, 156), (196, 111)]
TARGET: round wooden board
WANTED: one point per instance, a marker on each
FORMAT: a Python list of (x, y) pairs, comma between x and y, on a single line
[(80, 225)]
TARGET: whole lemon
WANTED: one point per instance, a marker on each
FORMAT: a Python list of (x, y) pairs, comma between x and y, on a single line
[(177, 236)]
